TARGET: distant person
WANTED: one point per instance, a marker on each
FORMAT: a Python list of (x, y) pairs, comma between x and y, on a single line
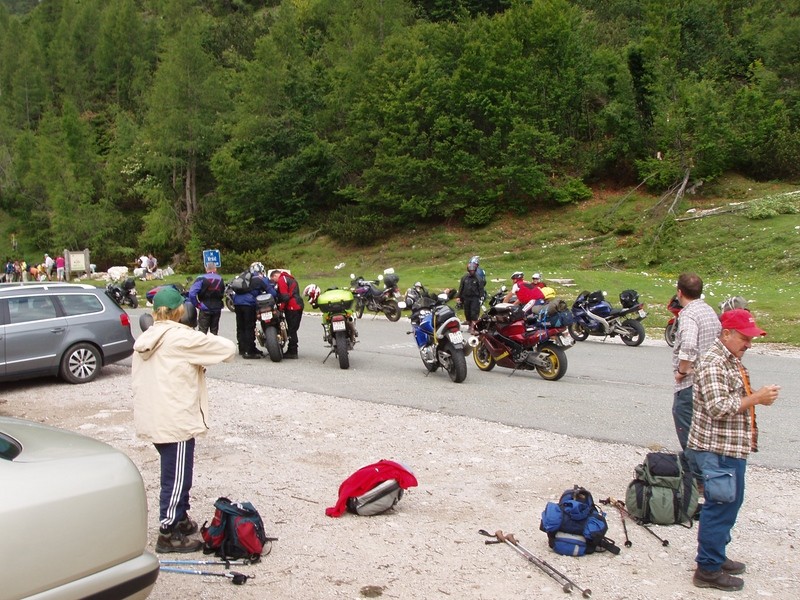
[(720, 440), (48, 263), (170, 408), (698, 328), (290, 301), (523, 292), (470, 292), (60, 268), (207, 293), (536, 279), (244, 305)]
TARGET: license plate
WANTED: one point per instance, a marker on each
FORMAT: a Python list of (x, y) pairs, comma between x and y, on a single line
[(456, 338), (339, 325), (642, 313), (266, 316)]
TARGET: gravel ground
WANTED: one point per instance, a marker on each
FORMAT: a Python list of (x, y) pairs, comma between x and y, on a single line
[(287, 452)]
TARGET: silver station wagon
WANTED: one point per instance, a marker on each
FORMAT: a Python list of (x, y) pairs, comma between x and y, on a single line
[(63, 329)]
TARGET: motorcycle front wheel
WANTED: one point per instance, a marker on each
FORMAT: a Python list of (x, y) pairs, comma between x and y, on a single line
[(578, 332), (456, 363), (430, 364), (635, 332), (359, 308), (272, 344), (228, 300), (341, 350), (557, 360), (391, 310), (483, 358), (134, 301), (669, 334)]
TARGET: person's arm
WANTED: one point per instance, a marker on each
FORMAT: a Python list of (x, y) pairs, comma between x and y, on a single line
[(766, 396)]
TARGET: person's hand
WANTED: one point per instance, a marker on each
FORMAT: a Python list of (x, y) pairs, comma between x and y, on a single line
[(768, 394)]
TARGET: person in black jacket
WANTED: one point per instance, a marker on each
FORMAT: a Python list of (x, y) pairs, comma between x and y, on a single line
[(470, 292), (244, 304), (206, 293)]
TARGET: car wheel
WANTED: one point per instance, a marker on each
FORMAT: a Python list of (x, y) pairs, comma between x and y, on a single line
[(81, 363)]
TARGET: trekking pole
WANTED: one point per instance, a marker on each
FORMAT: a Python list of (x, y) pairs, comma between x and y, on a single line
[(235, 577), (620, 506), (628, 542), (586, 593), (226, 563), (555, 575)]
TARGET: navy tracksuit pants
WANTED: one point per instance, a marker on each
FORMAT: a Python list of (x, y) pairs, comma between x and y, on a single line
[(177, 465)]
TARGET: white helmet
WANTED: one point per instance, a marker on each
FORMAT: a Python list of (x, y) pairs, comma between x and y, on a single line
[(256, 268), (311, 292), (536, 276), (517, 275)]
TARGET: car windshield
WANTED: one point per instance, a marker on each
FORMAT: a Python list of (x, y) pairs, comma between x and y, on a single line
[(9, 447)]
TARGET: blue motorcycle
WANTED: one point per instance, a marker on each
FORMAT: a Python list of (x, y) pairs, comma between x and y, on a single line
[(595, 316), (437, 332)]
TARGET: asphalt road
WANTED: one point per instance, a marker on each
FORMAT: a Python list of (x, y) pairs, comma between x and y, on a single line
[(610, 392)]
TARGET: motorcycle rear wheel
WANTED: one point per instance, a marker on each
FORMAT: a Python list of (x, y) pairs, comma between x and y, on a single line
[(636, 332), (391, 310), (134, 301), (272, 344), (669, 334), (456, 364), (558, 363), (578, 332), (483, 358), (341, 350)]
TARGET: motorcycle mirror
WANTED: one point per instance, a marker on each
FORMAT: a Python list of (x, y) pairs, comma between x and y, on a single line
[(145, 321), (605, 293), (352, 275), (503, 288), (380, 277)]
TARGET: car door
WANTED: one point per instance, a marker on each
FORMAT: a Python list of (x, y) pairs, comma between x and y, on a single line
[(34, 335), (3, 317)]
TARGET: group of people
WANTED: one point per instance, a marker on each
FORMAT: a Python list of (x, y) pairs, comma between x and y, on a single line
[(48, 270), (207, 295), (714, 414), (148, 267)]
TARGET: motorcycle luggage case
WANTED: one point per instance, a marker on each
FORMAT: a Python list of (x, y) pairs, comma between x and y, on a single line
[(265, 301), (335, 301), (629, 298), (441, 314)]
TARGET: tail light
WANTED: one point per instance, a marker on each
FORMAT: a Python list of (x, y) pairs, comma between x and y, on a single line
[(124, 320), (453, 326)]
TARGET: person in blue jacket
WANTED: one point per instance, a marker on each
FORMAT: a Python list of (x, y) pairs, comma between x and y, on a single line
[(206, 293), (244, 304)]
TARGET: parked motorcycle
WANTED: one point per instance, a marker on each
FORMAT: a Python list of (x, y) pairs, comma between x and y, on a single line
[(338, 323), (227, 297), (150, 294), (368, 296), (271, 331), (124, 293), (671, 329), (594, 316), (506, 337), (437, 332)]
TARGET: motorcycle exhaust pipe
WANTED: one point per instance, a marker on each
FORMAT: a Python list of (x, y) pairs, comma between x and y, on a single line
[(473, 341)]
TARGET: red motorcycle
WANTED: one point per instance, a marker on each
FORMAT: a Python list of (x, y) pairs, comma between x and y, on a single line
[(672, 326), (509, 338)]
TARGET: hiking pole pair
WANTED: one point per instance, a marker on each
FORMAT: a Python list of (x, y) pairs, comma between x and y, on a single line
[(226, 563), (565, 582), (623, 512), (235, 577)]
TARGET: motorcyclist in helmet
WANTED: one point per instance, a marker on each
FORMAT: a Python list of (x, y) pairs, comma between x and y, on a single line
[(479, 271), (244, 305), (470, 292), (525, 292)]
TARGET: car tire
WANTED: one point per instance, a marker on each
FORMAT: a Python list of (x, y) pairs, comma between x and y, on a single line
[(81, 363)]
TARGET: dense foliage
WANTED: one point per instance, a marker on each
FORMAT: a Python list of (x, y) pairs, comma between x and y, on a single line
[(174, 125)]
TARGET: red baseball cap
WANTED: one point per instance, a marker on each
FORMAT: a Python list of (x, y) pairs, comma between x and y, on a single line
[(742, 321)]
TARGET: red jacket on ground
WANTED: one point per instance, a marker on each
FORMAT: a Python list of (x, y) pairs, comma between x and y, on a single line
[(367, 478)]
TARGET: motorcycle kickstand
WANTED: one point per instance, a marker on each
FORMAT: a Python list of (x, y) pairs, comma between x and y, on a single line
[(328, 356)]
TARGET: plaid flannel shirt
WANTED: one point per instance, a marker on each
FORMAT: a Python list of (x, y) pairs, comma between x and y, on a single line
[(698, 327), (717, 424)]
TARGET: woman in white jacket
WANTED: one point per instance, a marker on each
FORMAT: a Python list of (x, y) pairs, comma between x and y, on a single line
[(170, 402)]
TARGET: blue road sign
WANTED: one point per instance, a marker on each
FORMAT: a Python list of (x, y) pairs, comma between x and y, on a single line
[(212, 256)]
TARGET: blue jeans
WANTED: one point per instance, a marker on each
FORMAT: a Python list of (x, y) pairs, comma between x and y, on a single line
[(682, 414), (721, 506)]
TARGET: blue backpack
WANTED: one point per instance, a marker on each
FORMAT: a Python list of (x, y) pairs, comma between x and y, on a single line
[(575, 525)]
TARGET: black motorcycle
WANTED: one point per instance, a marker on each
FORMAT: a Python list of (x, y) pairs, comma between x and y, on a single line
[(124, 293), (370, 297), (271, 331)]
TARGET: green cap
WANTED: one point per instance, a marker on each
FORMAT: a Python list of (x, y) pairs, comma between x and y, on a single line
[(169, 297)]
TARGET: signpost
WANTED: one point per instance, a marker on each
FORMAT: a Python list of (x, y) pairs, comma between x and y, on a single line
[(212, 256)]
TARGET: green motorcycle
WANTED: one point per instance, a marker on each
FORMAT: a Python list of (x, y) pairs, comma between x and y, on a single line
[(338, 320)]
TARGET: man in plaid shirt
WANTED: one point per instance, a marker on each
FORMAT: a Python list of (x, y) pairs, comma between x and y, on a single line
[(720, 440)]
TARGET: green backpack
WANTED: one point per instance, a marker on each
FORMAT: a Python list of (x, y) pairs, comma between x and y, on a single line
[(662, 492)]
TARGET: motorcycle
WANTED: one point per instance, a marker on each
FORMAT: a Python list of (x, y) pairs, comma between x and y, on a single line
[(124, 293), (437, 332), (671, 329), (227, 297), (271, 331), (338, 322), (368, 296), (508, 338), (594, 316), (149, 295)]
